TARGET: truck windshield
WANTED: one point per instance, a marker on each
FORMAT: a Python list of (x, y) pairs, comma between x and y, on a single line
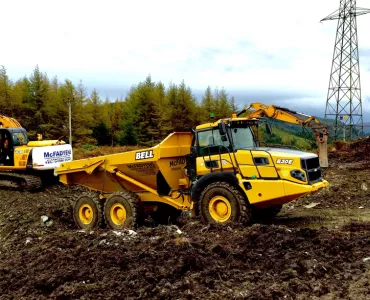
[(242, 138)]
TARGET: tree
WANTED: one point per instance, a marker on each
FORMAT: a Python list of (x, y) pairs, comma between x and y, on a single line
[(223, 109), (148, 114), (5, 93), (38, 88), (93, 106), (207, 105), (82, 119), (115, 113), (142, 112), (183, 107)]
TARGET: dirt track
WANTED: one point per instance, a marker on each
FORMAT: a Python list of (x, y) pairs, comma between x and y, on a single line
[(321, 252)]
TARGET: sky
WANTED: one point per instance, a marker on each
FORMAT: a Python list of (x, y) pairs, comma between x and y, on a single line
[(259, 51)]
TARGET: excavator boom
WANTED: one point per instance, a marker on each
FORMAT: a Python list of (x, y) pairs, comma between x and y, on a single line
[(320, 130), (8, 122)]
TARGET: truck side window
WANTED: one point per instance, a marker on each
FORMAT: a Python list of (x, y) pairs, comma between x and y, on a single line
[(210, 142)]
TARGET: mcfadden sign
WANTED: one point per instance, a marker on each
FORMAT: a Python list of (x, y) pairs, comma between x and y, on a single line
[(58, 156), (50, 157), (60, 153)]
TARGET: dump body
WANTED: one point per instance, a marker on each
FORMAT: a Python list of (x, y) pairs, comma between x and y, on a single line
[(155, 174)]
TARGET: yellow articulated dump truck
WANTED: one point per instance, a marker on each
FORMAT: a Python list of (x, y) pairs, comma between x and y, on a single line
[(218, 171)]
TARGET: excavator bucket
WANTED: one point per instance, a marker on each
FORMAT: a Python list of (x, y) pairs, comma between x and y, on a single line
[(323, 151)]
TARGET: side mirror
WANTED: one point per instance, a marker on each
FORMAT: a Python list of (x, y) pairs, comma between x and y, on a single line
[(268, 129), (222, 128)]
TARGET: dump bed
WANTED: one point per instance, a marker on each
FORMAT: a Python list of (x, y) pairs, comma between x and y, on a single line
[(160, 168)]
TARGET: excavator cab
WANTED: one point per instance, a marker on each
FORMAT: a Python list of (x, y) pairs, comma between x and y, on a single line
[(9, 139), (6, 153)]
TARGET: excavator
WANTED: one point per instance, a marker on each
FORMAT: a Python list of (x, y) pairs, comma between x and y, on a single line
[(24, 162), (217, 171), (321, 131)]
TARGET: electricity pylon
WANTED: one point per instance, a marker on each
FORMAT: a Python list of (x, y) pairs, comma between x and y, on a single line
[(344, 93)]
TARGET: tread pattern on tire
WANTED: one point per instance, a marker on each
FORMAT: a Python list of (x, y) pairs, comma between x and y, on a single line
[(136, 204), (245, 210), (95, 198)]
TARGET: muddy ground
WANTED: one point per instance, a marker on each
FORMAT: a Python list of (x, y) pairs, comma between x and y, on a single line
[(317, 248)]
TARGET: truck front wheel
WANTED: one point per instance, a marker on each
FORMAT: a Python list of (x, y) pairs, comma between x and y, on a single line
[(222, 202)]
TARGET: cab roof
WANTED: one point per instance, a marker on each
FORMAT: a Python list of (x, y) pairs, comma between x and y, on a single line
[(228, 121), (14, 130)]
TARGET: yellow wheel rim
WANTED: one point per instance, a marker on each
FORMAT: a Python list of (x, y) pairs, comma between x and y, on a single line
[(118, 214), (86, 213), (220, 208)]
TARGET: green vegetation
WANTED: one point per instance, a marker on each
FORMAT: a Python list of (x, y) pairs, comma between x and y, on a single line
[(147, 115)]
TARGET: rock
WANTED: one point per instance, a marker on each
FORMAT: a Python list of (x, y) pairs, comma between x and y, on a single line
[(28, 240), (44, 219), (366, 260), (361, 207), (125, 232), (117, 233), (364, 186), (311, 205), (49, 223)]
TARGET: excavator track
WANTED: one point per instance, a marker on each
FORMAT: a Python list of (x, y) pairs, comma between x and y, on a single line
[(20, 181)]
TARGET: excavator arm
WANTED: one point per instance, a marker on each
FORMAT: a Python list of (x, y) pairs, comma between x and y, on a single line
[(259, 110), (8, 122)]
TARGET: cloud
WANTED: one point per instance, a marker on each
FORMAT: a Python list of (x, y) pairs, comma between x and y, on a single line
[(364, 52), (277, 53)]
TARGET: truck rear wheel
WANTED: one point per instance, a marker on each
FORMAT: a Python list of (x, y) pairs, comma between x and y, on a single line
[(87, 211), (122, 210), (222, 202)]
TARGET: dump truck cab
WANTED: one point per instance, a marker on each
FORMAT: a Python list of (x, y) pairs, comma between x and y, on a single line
[(228, 151)]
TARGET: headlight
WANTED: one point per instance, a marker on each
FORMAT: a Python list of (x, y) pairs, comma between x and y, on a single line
[(298, 174)]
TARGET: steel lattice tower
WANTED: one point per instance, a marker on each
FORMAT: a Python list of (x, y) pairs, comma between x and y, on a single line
[(344, 93)]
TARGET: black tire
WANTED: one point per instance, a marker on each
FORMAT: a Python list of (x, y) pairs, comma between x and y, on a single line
[(227, 196), (266, 214), (87, 211), (123, 210), (165, 214)]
